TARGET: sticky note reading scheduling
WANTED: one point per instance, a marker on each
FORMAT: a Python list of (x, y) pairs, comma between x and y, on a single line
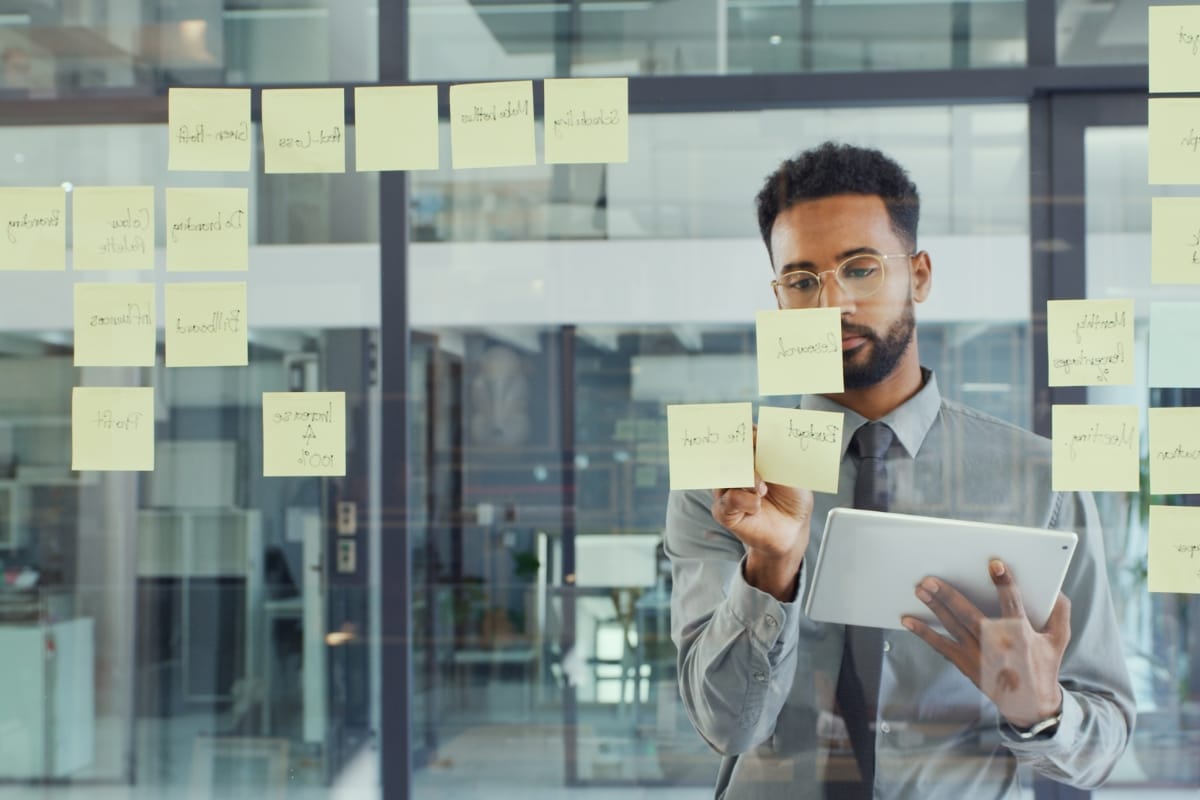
[(586, 120)]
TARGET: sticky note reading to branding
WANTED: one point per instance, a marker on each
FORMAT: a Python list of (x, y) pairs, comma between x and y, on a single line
[(1174, 558), (304, 130), (304, 433), (1090, 342), (1174, 450), (1173, 46), (1095, 448), (395, 128), (115, 325), (205, 325), (799, 351), (209, 129), (33, 229), (1175, 240), (586, 120), (112, 428), (208, 229), (710, 445), (799, 448), (1174, 331), (491, 125), (1174, 140), (112, 227)]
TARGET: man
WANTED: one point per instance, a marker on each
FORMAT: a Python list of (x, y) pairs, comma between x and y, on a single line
[(768, 688)]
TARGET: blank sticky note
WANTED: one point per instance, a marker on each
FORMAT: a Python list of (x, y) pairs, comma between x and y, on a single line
[(586, 120), (1095, 448), (395, 128), (204, 325), (799, 351), (208, 229), (1174, 450), (112, 428), (33, 229), (1175, 240), (710, 445), (304, 130), (304, 433), (1174, 558), (115, 325), (1173, 46), (1090, 342), (1174, 331), (209, 129), (112, 227), (1174, 140), (799, 448), (491, 125)]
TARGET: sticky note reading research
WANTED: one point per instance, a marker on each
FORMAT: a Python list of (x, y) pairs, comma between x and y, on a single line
[(710, 445), (209, 130), (1095, 448), (1174, 140), (304, 130), (304, 433), (208, 229), (112, 227), (1174, 331), (395, 128), (205, 325), (1175, 240), (586, 120), (1174, 450), (799, 351), (1090, 342), (115, 325), (34, 229), (797, 447), (112, 428), (1173, 562), (1173, 46), (491, 125)]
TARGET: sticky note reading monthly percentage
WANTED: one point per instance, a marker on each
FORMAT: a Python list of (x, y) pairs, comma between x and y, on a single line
[(304, 433), (1090, 342), (112, 227), (491, 124), (1174, 559), (33, 229), (112, 428), (710, 445), (586, 120), (1095, 448), (799, 351), (209, 129), (797, 447)]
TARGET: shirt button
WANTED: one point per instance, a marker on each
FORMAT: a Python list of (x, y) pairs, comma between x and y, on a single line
[(761, 677), (770, 621), (883, 726), (887, 646)]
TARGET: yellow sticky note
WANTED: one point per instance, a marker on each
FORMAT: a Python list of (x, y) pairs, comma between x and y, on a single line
[(208, 229), (1174, 140), (209, 129), (1090, 342), (586, 120), (304, 130), (1095, 448), (304, 433), (1173, 562), (115, 325), (491, 125), (799, 351), (33, 229), (1173, 46), (710, 445), (800, 448), (112, 428), (112, 227), (205, 325), (1175, 240), (395, 128), (1174, 450)]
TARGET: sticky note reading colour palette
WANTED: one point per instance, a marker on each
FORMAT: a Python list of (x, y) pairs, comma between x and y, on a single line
[(1095, 448), (799, 351), (112, 428), (586, 120), (1174, 331), (1175, 240), (491, 125), (304, 433), (115, 325), (1174, 48), (395, 128), (112, 227), (1090, 342), (209, 129), (205, 325), (1174, 140), (799, 448), (304, 130), (710, 445), (208, 229), (1174, 557), (1174, 450), (33, 229)]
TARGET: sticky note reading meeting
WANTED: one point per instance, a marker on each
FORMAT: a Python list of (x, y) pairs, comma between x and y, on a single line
[(1090, 342), (1095, 448), (304, 433), (34, 229), (710, 445)]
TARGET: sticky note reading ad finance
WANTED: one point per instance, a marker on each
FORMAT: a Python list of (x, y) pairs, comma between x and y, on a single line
[(491, 125), (304, 433), (797, 447), (209, 130), (710, 445), (112, 428), (1090, 342), (799, 351), (33, 229), (112, 227), (1174, 140), (1095, 448), (115, 325), (304, 130), (586, 120), (1175, 240), (208, 229), (205, 325), (1174, 450), (1174, 558), (1174, 332), (1174, 48), (395, 128)]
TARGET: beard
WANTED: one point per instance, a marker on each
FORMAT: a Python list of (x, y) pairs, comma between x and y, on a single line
[(884, 352)]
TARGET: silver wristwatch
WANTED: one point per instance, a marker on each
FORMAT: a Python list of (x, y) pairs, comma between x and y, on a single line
[(1038, 728)]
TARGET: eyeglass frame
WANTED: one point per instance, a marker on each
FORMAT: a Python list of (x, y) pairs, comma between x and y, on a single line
[(820, 276)]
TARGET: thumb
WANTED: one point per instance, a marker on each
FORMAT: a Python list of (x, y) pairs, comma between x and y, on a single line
[(1058, 626)]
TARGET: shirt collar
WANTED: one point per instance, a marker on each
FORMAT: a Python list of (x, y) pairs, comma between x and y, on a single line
[(910, 421)]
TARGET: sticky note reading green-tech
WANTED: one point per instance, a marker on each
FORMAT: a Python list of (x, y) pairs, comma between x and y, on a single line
[(115, 325), (209, 130), (1090, 342), (112, 227), (1173, 562), (33, 229), (395, 128), (112, 428), (1174, 140), (1174, 450), (586, 120), (1175, 240), (799, 351), (491, 125), (304, 130), (710, 445), (205, 325), (1174, 331), (1095, 448), (797, 447), (208, 229), (304, 433), (1173, 46)]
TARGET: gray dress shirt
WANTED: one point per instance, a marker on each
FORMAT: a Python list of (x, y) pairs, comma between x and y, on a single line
[(758, 677)]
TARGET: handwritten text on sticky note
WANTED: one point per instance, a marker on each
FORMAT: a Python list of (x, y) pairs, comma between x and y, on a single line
[(799, 351), (1174, 331), (710, 445), (33, 229), (205, 325), (1090, 342), (799, 448), (586, 120), (1175, 240), (1174, 48), (395, 127), (112, 428), (1095, 448), (1174, 450), (115, 325), (112, 227), (304, 433), (304, 130), (1174, 557), (1174, 140), (209, 129), (491, 124), (208, 229)]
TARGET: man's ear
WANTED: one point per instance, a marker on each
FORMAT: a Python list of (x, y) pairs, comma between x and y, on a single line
[(922, 276)]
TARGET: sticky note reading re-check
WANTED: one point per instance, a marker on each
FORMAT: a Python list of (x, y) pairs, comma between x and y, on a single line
[(112, 428), (797, 447), (1173, 46), (113, 227), (1173, 562), (586, 120), (33, 229), (1174, 331), (304, 130), (395, 128), (205, 325), (208, 229), (209, 129), (491, 124), (115, 325), (1090, 342), (304, 433), (710, 445), (1095, 448), (1174, 140), (799, 351), (1174, 450), (1175, 240)]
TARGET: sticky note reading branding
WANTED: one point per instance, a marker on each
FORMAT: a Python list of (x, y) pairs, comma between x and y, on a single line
[(1175, 240), (1090, 342), (33, 229), (208, 229), (1174, 140), (586, 120), (710, 445), (1095, 448), (799, 351), (1174, 331), (112, 428), (112, 227), (491, 125), (1174, 48), (304, 433), (205, 325), (1174, 557), (799, 448), (209, 129), (1174, 450), (304, 130), (395, 128), (115, 325)]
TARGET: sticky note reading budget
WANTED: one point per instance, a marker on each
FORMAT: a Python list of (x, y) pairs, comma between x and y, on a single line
[(112, 227), (491, 124), (112, 428), (586, 120), (1173, 562), (395, 128), (304, 130), (209, 129), (1175, 240), (1090, 342), (1173, 46), (1174, 140), (799, 351), (304, 433), (115, 325), (208, 229), (1174, 450), (33, 229), (799, 448), (1174, 331), (710, 445), (1095, 448), (205, 325)]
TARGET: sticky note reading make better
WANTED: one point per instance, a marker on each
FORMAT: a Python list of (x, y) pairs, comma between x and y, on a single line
[(1090, 342), (1174, 140), (1174, 450), (1095, 448), (304, 130), (799, 448), (799, 351), (1174, 331), (205, 325), (586, 120), (33, 229), (395, 127), (209, 129), (115, 325), (491, 124), (112, 428), (1175, 240), (304, 433), (710, 445), (112, 227), (207, 229), (1174, 558), (1173, 46)]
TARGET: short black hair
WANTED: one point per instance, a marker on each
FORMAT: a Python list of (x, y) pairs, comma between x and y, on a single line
[(831, 169)]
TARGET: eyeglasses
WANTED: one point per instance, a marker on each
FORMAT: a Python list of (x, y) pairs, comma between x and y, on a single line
[(858, 276)]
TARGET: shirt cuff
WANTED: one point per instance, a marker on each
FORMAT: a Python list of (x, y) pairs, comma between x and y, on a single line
[(1065, 736), (769, 621)]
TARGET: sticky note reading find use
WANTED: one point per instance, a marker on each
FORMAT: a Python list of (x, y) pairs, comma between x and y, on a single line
[(710, 445)]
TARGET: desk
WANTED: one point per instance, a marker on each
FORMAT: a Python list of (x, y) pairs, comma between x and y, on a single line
[(523, 656)]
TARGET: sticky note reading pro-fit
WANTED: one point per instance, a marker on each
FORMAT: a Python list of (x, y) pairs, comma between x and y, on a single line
[(33, 229), (209, 130), (710, 445), (204, 325), (797, 447), (799, 351), (1090, 342), (1173, 562), (304, 433), (1095, 448), (491, 125), (586, 120), (112, 227), (112, 428), (304, 130)]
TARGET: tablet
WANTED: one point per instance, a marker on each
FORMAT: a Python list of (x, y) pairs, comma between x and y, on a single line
[(870, 562)]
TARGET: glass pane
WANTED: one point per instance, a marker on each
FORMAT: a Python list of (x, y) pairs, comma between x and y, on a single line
[(1105, 33)]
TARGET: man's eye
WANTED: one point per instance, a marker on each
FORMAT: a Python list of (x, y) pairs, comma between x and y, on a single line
[(857, 273), (801, 284)]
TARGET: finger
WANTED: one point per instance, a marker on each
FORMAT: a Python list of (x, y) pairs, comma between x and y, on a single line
[(735, 502), (947, 648), (960, 617), (1011, 604), (1058, 626)]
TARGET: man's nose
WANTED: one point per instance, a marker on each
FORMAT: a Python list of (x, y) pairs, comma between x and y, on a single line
[(832, 295)]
